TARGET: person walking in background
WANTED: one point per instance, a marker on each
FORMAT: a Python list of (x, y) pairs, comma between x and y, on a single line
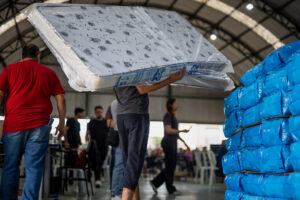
[(133, 125), (169, 145), (72, 138), (29, 86), (97, 130), (117, 159), (72, 131)]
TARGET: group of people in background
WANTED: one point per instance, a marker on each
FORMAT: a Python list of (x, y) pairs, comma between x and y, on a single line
[(97, 134), (29, 86)]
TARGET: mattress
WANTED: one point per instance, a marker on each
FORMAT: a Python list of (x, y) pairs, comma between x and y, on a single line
[(101, 46)]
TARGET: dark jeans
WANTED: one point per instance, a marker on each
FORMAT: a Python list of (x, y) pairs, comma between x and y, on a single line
[(169, 145), (34, 144), (134, 132), (98, 161)]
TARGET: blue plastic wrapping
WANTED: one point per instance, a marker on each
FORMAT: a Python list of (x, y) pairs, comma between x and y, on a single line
[(252, 115), (251, 75), (294, 183), (234, 142), (250, 197), (276, 80), (253, 184), (251, 95), (275, 132), (272, 62), (250, 159), (233, 195), (294, 105), (233, 123), (276, 104), (280, 56), (233, 181), (294, 69), (288, 50), (231, 102), (252, 137), (230, 162), (295, 156), (294, 128), (276, 186), (276, 159)]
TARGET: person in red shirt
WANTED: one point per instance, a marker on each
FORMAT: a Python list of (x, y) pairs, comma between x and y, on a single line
[(29, 87)]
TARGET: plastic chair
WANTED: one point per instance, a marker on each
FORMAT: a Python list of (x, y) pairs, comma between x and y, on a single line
[(201, 165), (213, 167), (205, 167)]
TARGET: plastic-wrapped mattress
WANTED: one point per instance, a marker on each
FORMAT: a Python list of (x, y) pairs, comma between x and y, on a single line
[(112, 46)]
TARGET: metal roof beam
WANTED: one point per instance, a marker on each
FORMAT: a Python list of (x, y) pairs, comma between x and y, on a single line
[(264, 48), (222, 30), (223, 19), (197, 11), (259, 22), (172, 4), (235, 45), (277, 14)]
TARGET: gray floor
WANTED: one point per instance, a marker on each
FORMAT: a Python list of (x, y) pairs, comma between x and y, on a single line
[(190, 191)]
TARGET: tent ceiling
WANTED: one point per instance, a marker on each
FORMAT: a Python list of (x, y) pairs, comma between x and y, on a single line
[(237, 41)]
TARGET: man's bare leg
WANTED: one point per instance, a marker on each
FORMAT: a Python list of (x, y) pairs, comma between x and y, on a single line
[(136, 195), (127, 194)]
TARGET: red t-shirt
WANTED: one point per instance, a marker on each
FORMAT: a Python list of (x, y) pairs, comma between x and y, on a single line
[(29, 86)]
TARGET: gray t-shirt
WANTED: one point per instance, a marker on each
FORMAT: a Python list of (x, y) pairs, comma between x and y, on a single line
[(131, 101), (114, 108)]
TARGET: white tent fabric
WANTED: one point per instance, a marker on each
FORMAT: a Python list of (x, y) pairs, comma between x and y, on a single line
[(113, 46)]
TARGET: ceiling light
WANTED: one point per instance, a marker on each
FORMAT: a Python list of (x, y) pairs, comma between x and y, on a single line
[(249, 6), (259, 29), (213, 37)]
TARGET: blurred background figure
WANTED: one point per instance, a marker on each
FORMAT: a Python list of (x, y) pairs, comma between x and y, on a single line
[(169, 145), (97, 130)]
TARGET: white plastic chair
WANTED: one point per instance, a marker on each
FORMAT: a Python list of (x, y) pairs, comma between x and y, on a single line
[(213, 167), (201, 165), (205, 167)]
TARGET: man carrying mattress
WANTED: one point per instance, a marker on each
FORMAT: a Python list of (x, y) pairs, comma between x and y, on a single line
[(133, 124), (29, 86)]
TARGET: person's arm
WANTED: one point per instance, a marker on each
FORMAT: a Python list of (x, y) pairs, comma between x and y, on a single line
[(1, 96), (61, 107), (110, 123), (144, 89), (185, 144), (170, 130), (87, 136)]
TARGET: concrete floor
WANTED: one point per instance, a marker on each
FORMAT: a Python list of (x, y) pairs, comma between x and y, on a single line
[(190, 191)]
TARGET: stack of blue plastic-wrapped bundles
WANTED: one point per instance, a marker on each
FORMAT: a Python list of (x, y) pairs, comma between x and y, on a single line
[(263, 130)]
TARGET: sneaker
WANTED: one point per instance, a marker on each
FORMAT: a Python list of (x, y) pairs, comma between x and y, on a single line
[(116, 198), (98, 184), (153, 187), (176, 193)]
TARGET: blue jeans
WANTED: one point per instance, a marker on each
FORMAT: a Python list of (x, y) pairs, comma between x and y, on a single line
[(117, 172), (33, 143)]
